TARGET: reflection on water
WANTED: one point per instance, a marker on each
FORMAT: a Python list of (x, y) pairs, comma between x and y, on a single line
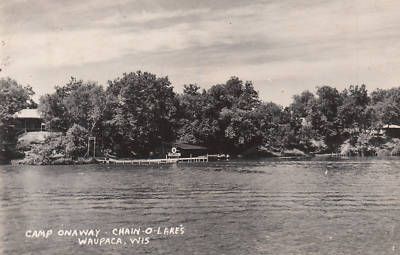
[(239, 207)]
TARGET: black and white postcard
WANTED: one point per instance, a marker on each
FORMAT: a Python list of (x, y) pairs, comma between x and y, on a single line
[(200, 127)]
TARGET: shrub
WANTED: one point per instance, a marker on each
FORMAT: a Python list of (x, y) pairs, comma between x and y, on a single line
[(347, 149), (396, 150), (44, 154), (76, 141), (318, 146), (383, 152)]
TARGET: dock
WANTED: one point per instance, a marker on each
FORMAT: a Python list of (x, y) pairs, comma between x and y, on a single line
[(162, 161)]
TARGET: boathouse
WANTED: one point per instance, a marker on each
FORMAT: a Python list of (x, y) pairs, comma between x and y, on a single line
[(190, 150), (28, 120), (392, 130)]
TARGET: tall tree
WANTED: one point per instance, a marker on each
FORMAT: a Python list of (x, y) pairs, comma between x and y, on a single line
[(142, 109), (77, 102), (302, 104), (324, 116), (385, 105), (13, 98), (354, 112), (215, 117), (190, 112)]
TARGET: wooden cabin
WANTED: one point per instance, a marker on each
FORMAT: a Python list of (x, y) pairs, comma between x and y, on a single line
[(28, 120)]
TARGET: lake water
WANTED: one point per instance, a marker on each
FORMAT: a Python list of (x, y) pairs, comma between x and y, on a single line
[(348, 206)]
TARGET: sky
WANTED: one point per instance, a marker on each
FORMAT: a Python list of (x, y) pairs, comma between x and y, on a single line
[(283, 46)]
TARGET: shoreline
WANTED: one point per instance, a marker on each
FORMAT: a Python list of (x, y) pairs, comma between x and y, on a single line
[(155, 162)]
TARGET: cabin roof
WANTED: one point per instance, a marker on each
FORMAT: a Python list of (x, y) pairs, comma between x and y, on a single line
[(28, 114), (185, 146), (391, 126)]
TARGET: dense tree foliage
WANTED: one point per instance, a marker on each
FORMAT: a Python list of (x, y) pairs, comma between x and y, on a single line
[(139, 112), (141, 109), (302, 104), (354, 111), (386, 106), (222, 117), (77, 102), (13, 98)]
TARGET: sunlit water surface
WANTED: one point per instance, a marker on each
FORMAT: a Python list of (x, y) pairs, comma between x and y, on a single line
[(348, 206)]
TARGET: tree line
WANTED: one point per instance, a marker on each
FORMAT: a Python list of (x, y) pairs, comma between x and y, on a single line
[(138, 112)]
